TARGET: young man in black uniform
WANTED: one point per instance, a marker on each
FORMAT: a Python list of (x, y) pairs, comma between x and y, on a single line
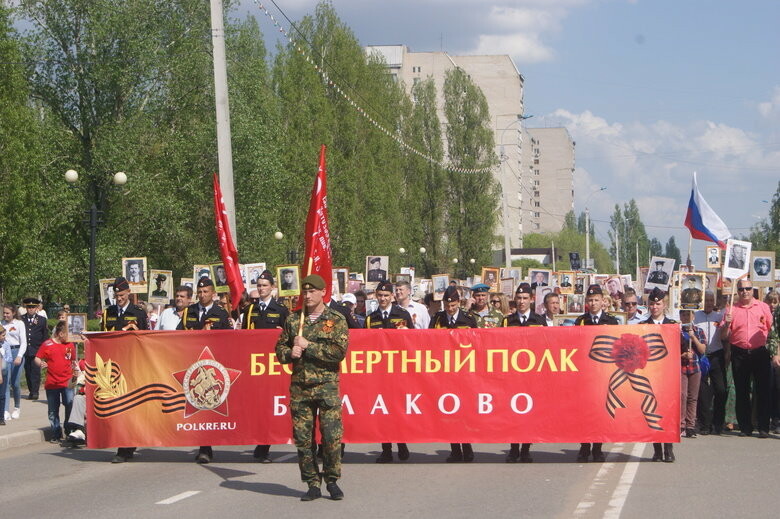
[(522, 317), (595, 315), (389, 315), (123, 316), (266, 314), (204, 315), (452, 317), (656, 306), (37, 332)]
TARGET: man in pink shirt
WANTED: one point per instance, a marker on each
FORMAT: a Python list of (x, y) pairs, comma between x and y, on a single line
[(745, 327)]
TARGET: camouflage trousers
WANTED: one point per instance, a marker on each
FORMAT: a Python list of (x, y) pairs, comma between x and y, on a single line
[(305, 403)]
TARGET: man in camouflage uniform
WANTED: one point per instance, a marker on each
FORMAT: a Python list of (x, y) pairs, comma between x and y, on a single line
[(315, 355), (485, 316)]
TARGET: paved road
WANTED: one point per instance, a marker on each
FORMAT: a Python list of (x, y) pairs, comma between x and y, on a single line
[(713, 477)]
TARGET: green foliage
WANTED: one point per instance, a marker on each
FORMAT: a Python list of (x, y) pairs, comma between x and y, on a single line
[(765, 235), (626, 226), (673, 251)]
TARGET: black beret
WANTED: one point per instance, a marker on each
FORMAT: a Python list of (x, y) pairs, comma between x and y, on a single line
[(656, 295), (384, 286), (451, 294), (594, 290), (121, 284), (267, 276), (524, 288), (205, 282)]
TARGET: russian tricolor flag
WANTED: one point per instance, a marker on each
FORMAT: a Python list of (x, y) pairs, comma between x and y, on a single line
[(702, 221)]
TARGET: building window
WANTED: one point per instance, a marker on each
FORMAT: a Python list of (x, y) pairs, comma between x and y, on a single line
[(536, 204), (536, 172), (536, 161), (536, 183), (537, 215), (537, 226), (536, 194), (415, 80)]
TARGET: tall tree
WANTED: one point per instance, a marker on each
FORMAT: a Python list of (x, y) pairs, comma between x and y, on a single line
[(472, 198), (656, 249), (627, 227), (765, 235), (673, 251)]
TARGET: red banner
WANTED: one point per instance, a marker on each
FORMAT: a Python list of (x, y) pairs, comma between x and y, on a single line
[(227, 247), (224, 387), (318, 256)]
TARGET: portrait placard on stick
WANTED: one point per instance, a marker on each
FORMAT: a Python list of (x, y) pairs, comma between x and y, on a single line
[(161, 287), (762, 268), (134, 269), (737, 262)]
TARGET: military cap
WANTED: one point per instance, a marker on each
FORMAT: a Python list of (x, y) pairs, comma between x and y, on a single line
[(205, 282), (375, 259), (121, 284), (160, 277), (384, 286), (313, 281), (480, 287), (451, 294), (656, 295), (659, 262), (267, 276), (594, 290), (30, 302), (524, 288)]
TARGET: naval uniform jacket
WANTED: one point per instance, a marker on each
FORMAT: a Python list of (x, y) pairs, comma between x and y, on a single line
[(666, 320), (513, 319), (190, 319), (273, 316), (37, 332), (585, 320), (397, 317), (442, 320), (112, 322)]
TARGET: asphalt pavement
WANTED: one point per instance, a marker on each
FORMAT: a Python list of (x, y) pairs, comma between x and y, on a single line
[(713, 476)]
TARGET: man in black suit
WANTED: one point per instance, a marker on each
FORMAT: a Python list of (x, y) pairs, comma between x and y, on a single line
[(266, 313), (452, 317), (37, 332), (522, 317), (375, 272), (123, 316), (204, 315), (656, 305), (595, 315)]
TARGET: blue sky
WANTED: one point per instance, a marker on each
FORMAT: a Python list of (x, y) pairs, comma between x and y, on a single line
[(650, 90)]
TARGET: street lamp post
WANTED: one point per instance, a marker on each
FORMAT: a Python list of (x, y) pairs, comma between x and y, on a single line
[(504, 202), (119, 179), (587, 226)]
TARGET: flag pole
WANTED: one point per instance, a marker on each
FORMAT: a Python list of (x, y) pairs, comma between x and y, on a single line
[(303, 307)]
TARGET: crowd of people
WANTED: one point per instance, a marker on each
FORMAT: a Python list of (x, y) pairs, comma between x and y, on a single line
[(742, 334)]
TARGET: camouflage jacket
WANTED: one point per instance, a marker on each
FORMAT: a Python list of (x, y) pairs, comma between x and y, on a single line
[(328, 338), (492, 319), (773, 341)]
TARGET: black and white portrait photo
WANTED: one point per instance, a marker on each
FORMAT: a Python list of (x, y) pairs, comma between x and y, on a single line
[(134, 269), (539, 278), (252, 271), (288, 277), (77, 324), (218, 275), (200, 271), (376, 268), (737, 258), (660, 274), (161, 287), (340, 278), (440, 283), (574, 260), (762, 268), (713, 257), (107, 293)]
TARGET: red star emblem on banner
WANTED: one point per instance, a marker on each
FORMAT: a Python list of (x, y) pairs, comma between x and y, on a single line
[(206, 385)]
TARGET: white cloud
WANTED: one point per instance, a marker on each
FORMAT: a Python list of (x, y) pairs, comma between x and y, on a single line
[(523, 48), (771, 109)]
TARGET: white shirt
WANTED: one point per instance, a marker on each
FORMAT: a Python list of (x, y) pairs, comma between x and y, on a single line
[(708, 322), (16, 335), (524, 316), (169, 319), (420, 316)]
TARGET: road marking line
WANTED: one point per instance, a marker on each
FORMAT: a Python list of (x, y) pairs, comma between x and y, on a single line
[(178, 497), (620, 494), (287, 457), (589, 499)]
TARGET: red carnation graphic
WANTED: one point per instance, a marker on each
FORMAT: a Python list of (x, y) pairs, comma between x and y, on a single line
[(630, 352)]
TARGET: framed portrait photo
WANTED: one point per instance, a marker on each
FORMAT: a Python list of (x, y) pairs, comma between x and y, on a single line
[(581, 283), (565, 319), (540, 278), (565, 281), (613, 287), (660, 274), (690, 293), (107, 297), (440, 284), (622, 317), (410, 271), (251, 272), (539, 298), (187, 282), (507, 286), (288, 280), (762, 268), (376, 268), (200, 271), (340, 280), (77, 325), (219, 277), (402, 277), (712, 257), (134, 270), (490, 277), (737, 261), (161, 286), (575, 304)]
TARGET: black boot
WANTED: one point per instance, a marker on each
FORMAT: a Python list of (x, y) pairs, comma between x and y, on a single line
[(468, 453), (456, 454), (387, 454), (658, 454), (584, 454), (668, 453), (525, 454), (403, 452), (514, 453)]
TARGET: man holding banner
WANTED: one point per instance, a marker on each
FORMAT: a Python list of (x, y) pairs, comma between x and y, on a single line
[(314, 340)]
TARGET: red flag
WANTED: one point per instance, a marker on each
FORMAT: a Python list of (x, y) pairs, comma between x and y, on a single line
[(319, 258), (227, 249)]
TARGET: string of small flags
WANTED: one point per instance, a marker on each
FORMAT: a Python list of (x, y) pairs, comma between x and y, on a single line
[(358, 108)]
